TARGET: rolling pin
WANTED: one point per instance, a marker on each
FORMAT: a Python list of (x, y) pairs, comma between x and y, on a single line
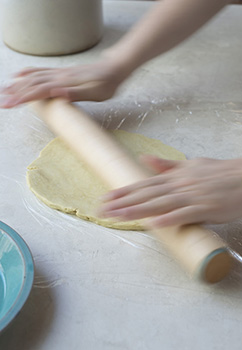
[(201, 252)]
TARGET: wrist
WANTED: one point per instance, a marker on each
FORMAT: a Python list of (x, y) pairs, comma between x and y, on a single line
[(120, 63)]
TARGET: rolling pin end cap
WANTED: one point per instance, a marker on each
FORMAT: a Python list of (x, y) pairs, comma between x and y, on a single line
[(216, 266)]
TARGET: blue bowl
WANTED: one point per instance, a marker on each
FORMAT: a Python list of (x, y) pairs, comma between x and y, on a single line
[(16, 274)]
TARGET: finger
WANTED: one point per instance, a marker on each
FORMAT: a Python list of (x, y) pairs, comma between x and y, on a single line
[(154, 207), (123, 191), (2, 101), (25, 84), (158, 164), (35, 92), (8, 102), (115, 194), (5, 87), (137, 197), (38, 93), (41, 77), (182, 216), (30, 70)]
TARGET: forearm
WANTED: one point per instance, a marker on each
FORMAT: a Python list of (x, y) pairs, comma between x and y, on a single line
[(167, 24)]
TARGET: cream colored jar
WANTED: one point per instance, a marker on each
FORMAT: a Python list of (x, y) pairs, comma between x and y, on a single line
[(51, 27)]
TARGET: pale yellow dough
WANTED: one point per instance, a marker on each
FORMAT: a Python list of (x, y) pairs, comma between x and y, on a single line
[(62, 181)]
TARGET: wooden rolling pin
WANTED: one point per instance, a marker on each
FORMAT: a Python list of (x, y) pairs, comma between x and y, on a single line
[(201, 252)]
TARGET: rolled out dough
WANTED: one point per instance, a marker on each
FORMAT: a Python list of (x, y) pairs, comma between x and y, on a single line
[(63, 182)]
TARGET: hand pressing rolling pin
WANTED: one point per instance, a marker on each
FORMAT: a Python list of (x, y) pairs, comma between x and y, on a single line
[(182, 192), (200, 190)]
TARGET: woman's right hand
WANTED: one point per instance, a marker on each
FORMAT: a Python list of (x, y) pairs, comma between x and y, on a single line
[(92, 82)]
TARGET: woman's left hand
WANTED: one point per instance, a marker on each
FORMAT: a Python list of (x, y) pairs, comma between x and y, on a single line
[(184, 192)]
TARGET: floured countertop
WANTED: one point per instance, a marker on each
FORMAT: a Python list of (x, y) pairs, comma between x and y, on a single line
[(98, 288)]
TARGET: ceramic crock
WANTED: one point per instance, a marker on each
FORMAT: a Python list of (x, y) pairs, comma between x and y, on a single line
[(51, 27)]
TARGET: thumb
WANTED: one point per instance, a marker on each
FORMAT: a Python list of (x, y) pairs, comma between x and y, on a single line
[(158, 165)]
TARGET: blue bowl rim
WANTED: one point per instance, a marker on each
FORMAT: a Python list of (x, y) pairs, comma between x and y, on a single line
[(28, 275)]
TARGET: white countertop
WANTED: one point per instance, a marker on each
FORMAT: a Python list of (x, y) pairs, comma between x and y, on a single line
[(98, 288)]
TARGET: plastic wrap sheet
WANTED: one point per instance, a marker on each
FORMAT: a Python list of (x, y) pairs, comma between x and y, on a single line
[(132, 115), (173, 120), (33, 132)]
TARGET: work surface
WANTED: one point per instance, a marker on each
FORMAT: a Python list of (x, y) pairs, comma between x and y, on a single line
[(97, 288)]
